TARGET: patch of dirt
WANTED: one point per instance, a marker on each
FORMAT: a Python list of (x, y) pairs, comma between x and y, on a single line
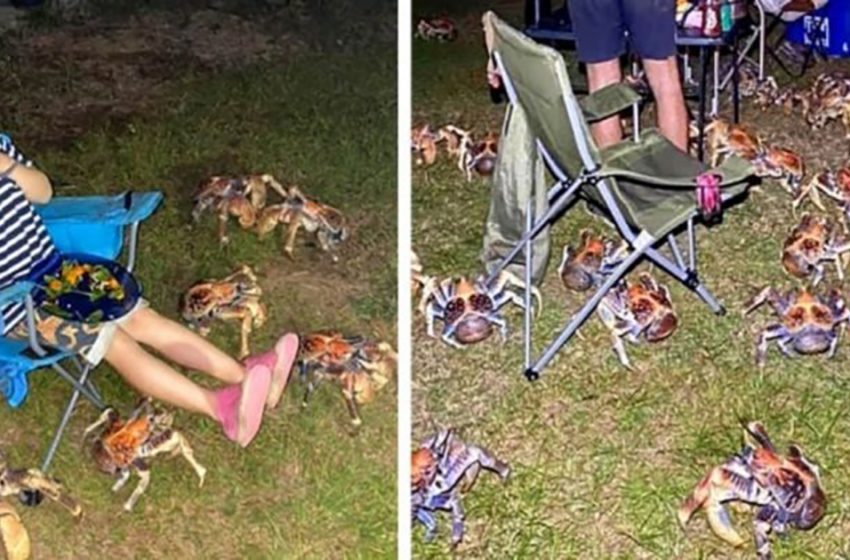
[(59, 82)]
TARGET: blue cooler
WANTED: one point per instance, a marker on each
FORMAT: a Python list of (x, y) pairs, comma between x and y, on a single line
[(827, 28)]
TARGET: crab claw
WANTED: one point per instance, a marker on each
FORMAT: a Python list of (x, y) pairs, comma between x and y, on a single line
[(13, 534), (108, 415), (765, 294), (704, 496)]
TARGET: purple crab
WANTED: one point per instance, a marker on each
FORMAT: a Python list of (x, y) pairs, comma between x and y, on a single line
[(442, 470)]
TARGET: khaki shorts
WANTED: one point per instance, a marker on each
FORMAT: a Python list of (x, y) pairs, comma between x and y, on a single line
[(90, 341)]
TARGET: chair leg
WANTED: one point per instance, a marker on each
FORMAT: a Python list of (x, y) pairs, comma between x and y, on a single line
[(66, 417), (81, 383), (565, 198), (642, 243), (688, 278)]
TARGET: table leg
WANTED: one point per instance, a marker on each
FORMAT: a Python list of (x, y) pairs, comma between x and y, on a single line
[(703, 79), (736, 81)]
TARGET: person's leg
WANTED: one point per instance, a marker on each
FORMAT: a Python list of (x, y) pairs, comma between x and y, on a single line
[(652, 29), (238, 408), (151, 376), (672, 115), (599, 75), (600, 41), (182, 345)]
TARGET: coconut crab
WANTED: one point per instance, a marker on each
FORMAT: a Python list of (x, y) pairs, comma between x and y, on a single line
[(836, 185), (784, 165), (443, 469), (297, 211), (436, 29), (810, 243), (724, 138), (242, 197), (423, 142), (784, 491), (829, 99), (470, 308), (629, 310), (595, 259), (359, 366), (123, 447), (233, 298), (808, 323), (30, 486), (472, 156), (480, 156)]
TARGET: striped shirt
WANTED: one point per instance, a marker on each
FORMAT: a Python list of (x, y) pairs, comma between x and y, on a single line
[(24, 244)]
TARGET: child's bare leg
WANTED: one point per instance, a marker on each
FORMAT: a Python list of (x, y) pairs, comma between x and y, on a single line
[(155, 378), (182, 345)]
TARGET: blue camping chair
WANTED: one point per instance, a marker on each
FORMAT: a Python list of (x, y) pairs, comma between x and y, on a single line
[(95, 225)]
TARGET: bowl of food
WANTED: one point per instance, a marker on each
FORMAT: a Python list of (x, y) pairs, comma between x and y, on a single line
[(87, 289)]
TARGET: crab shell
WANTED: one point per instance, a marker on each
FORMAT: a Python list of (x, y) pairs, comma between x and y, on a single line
[(423, 468), (464, 310), (650, 305), (206, 297), (424, 145), (805, 245), (484, 153), (805, 311), (778, 162), (577, 272), (13, 535)]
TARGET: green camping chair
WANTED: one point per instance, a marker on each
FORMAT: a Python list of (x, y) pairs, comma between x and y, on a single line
[(644, 185)]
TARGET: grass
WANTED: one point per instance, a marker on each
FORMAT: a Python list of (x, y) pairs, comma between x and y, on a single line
[(305, 488), (601, 456)]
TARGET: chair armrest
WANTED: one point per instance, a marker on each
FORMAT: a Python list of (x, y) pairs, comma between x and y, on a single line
[(608, 101), (122, 209), (732, 171), (16, 293)]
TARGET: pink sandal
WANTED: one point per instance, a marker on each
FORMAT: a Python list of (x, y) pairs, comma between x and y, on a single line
[(279, 362), (240, 408)]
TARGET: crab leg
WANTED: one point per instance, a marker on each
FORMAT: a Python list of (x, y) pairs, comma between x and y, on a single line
[(448, 336), (183, 448), (428, 519), (351, 404), (144, 473), (223, 217), (457, 521), (291, 232), (123, 477), (771, 332)]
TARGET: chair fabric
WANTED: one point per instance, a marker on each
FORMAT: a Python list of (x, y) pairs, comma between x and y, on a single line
[(652, 181), (95, 224), (90, 224)]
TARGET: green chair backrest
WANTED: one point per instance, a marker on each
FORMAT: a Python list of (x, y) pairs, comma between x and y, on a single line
[(537, 76)]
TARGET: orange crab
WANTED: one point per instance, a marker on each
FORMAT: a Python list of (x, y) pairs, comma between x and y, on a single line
[(359, 366), (242, 197), (724, 138), (469, 309), (127, 446), (836, 185), (585, 267), (808, 323), (784, 165), (629, 310), (785, 491), (423, 142), (297, 211), (810, 243), (234, 298)]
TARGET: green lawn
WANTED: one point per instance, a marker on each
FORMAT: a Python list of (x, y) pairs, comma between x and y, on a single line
[(305, 488), (601, 456)]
